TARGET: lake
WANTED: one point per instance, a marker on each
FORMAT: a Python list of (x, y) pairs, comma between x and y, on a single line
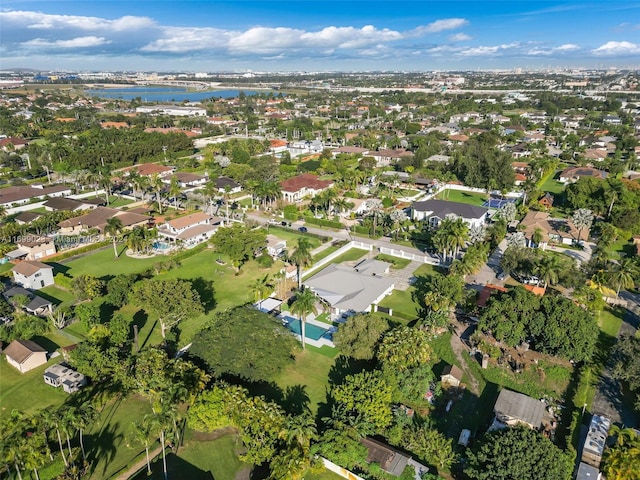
[(164, 94)]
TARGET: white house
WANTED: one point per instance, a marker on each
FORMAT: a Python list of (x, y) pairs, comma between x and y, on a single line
[(190, 229), (434, 211), (173, 110), (275, 245), (33, 274), (25, 355)]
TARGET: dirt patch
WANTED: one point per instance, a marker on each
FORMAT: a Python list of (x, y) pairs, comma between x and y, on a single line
[(244, 474)]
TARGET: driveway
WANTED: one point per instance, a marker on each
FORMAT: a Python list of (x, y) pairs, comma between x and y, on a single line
[(487, 273), (580, 256)]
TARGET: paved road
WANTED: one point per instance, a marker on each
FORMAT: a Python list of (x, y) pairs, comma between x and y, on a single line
[(487, 273)]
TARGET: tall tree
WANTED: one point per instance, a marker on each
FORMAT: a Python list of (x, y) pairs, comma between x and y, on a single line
[(582, 218), (518, 452), (303, 305), (261, 287), (359, 337), (301, 257), (169, 300), (113, 228)]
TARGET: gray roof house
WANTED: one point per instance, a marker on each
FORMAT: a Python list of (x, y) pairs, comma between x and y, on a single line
[(513, 408), (389, 459), (352, 289), (61, 375), (596, 440), (434, 211)]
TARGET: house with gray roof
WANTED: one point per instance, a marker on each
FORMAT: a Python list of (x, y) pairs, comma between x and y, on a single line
[(513, 408), (348, 289), (434, 211), (390, 460)]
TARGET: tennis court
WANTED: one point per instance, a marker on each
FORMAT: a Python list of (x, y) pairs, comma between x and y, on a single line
[(498, 202)]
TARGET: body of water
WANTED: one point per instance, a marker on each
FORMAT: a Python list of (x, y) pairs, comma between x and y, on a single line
[(164, 94)]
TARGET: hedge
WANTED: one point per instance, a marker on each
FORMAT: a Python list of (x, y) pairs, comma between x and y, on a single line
[(324, 223)]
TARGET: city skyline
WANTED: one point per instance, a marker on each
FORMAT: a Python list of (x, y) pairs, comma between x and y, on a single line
[(317, 36)]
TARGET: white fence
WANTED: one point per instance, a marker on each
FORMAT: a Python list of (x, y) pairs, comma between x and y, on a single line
[(329, 258), (410, 256), (32, 206), (338, 470)]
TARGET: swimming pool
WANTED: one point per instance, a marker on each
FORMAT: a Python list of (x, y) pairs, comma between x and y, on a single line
[(311, 331), (161, 246)]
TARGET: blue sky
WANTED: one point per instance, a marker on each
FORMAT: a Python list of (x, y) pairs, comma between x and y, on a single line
[(170, 35)]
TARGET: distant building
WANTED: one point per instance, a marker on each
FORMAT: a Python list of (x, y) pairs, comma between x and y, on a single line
[(296, 188), (33, 248), (25, 355), (546, 201), (173, 110), (24, 194), (571, 175)]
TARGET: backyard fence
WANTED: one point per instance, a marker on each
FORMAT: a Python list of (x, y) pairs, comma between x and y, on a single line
[(410, 256), (338, 470)]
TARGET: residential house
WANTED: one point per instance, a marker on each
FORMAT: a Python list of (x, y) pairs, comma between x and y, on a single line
[(24, 218), (32, 248), (148, 170), (349, 150), (19, 195), (25, 355), (390, 460), (61, 375), (439, 158), (13, 144), (97, 219), (571, 175), (513, 408), (296, 188), (386, 157), (277, 146), (191, 229), (67, 205), (596, 440), (275, 246), (37, 305), (452, 376), (225, 183), (33, 274), (486, 292), (546, 201), (357, 289), (187, 180), (302, 147), (434, 211), (557, 230)]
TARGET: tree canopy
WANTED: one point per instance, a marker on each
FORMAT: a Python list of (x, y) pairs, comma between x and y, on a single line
[(246, 343), (555, 324), (239, 243), (518, 452), (360, 335)]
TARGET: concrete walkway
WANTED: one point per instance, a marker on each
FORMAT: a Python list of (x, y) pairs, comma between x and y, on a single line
[(139, 465)]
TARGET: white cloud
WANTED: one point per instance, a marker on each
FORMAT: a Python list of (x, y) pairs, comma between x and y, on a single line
[(459, 37), (184, 39), (567, 47), (43, 21), (78, 42), (611, 49), (442, 25)]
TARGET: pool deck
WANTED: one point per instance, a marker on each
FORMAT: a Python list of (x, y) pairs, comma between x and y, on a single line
[(316, 343)]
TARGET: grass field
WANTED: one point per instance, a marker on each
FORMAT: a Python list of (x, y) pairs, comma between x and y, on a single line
[(459, 196), (397, 263), (103, 263), (552, 185)]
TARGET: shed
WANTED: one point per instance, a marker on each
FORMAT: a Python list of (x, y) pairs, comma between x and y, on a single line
[(25, 355), (451, 375), (513, 408), (389, 459)]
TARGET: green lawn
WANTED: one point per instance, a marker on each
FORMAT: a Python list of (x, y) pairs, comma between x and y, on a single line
[(350, 255), (324, 253), (552, 185), (397, 263), (292, 236), (102, 263), (311, 371), (460, 196), (116, 202), (609, 321), (57, 295), (402, 304), (27, 392)]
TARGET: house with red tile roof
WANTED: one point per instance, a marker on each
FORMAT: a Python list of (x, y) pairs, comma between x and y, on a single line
[(294, 189)]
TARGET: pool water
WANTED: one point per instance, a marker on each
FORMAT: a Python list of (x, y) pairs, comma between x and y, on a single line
[(311, 331), (161, 246)]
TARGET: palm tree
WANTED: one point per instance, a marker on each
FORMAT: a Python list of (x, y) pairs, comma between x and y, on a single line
[(260, 287), (174, 191), (133, 178), (142, 433), (301, 257), (537, 236), (548, 269), (156, 184), (623, 276), (113, 228), (84, 416), (303, 305)]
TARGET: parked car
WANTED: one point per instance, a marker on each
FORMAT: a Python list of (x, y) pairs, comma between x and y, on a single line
[(303, 229), (502, 275), (284, 224)]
